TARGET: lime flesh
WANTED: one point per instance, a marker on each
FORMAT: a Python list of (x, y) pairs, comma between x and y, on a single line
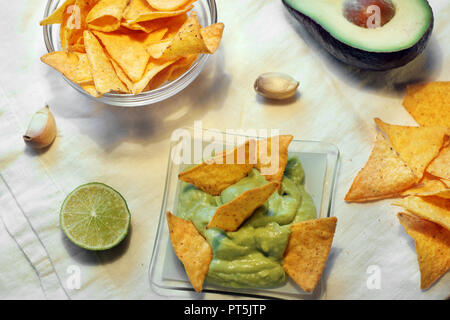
[(95, 217)]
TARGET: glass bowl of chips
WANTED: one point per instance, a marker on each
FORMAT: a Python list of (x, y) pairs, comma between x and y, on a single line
[(128, 83)]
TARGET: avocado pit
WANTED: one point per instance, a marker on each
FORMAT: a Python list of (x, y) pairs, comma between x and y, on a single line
[(369, 14)]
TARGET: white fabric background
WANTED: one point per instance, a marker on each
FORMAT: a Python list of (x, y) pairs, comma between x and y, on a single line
[(127, 148)]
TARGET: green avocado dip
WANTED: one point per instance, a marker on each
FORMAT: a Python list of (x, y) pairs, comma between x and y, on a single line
[(252, 256)]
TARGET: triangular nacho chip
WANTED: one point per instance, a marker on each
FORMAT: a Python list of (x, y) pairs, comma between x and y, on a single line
[(434, 209), (191, 248), (272, 157), (440, 167), (152, 69), (429, 104), (57, 16), (428, 186), (189, 40), (307, 251), (106, 15), (417, 146), (128, 49), (231, 215), (169, 5), (384, 175), (223, 170), (140, 11), (74, 66), (432, 247), (105, 78)]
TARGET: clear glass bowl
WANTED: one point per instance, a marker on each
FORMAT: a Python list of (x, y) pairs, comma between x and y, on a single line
[(207, 14), (166, 273)]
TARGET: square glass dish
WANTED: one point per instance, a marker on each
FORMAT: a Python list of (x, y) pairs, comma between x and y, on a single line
[(166, 272)]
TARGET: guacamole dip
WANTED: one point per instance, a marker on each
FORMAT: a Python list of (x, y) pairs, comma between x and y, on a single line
[(250, 257)]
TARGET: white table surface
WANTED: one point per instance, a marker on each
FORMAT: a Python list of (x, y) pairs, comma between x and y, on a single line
[(127, 148)]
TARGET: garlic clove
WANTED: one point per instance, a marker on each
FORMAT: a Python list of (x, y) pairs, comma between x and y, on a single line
[(274, 85), (41, 131)]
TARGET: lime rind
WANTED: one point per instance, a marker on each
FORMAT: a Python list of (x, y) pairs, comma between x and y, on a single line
[(95, 217)]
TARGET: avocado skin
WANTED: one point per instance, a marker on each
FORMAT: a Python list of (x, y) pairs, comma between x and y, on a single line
[(377, 61)]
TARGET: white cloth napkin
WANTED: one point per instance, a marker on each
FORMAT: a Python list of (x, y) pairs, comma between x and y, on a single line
[(127, 148)]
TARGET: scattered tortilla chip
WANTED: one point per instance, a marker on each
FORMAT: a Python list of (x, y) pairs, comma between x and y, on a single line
[(222, 171), (307, 251), (432, 247), (429, 104), (106, 15), (417, 146), (231, 215), (191, 248), (105, 78), (189, 40), (272, 157), (140, 11), (440, 167), (385, 175), (428, 186), (169, 5), (434, 209), (57, 15), (128, 49)]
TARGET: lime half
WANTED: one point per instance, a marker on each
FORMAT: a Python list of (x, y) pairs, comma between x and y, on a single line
[(94, 216)]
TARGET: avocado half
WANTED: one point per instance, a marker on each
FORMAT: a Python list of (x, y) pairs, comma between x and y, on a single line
[(392, 45)]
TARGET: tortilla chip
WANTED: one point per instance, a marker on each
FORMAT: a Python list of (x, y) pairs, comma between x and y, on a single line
[(169, 5), (82, 74), (231, 215), (417, 146), (307, 251), (140, 11), (64, 62), (173, 24), (272, 162), (191, 248), (106, 15), (222, 171), (122, 76), (105, 78), (429, 104), (181, 66), (57, 16), (90, 88), (434, 209), (160, 78), (212, 35), (440, 167), (128, 49), (189, 40), (384, 175), (432, 247), (152, 69), (428, 186)]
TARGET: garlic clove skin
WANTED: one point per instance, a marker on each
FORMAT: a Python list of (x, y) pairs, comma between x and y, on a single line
[(274, 85), (41, 131)]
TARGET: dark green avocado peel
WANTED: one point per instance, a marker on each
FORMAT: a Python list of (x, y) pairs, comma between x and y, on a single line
[(403, 35)]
